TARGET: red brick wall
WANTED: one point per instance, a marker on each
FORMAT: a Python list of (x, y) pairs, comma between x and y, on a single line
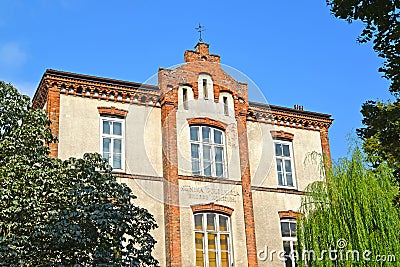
[(171, 182), (200, 61), (53, 112)]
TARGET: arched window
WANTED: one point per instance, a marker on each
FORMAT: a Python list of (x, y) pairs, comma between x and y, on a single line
[(207, 151), (213, 240)]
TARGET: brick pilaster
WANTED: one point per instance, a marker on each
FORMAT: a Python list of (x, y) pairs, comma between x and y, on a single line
[(171, 183), (325, 145), (241, 109), (53, 112)]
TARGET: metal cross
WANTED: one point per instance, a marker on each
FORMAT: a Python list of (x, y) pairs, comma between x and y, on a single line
[(200, 29)]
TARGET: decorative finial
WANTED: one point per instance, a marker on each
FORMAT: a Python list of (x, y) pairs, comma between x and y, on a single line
[(200, 29)]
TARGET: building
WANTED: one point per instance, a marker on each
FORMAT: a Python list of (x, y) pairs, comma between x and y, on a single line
[(222, 176)]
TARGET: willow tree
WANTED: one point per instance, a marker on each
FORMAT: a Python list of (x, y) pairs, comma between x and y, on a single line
[(348, 218)]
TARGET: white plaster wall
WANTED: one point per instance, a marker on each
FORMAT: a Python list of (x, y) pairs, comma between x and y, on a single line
[(235, 202), (146, 191), (267, 222), (207, 108), (262, 155), (80, 133)]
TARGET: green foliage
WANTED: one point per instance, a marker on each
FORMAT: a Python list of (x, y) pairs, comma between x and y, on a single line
[(353, 203), (382, 133), (63, 213), (381, 18)]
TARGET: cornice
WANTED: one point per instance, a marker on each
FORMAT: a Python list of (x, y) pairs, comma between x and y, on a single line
[(288, 117), (149, 95), (97, 88)]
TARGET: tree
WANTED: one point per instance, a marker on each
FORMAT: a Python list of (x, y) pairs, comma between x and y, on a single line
[(381, 18), (55, 212), (347, 215)]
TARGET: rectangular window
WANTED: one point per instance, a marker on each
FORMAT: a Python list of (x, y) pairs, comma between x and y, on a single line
[(289, 239), (112, 142), (207, 151), (185, 103), (226, 110), (212, 240), (284, 163), (205, 89)]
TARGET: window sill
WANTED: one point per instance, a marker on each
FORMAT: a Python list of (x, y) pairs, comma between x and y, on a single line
[(118, 171), (287, 187)]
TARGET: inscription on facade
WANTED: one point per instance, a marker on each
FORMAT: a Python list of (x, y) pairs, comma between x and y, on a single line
[(210, 193)]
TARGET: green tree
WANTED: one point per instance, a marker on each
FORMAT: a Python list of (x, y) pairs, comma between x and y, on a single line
[(381, 18), (351, 210), (55, 212)]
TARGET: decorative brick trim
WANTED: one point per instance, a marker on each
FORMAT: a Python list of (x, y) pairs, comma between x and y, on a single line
[(96, 88), (282, 135), (112, 111), (289, 214), (213, 208), (288, 117), (209, 122)]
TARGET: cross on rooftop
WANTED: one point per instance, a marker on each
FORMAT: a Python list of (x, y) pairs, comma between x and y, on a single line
[(200, 29)]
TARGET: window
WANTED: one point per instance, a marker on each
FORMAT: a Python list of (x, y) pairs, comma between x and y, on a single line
[(226, 110), (205, 89), (212, 240), (207, 151), (289, 238), (284, 163), (112, 142), (185, 97)]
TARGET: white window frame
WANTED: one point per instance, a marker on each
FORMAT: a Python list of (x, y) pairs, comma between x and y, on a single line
[(291, 158), (213, 146), (218, 233), (290, 239), (111, 136)]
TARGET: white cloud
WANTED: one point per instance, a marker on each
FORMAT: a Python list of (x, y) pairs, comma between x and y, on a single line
[(11, 55)]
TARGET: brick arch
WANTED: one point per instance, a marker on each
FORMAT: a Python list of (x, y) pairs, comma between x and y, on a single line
[(282, 135), (112, 111), (208, 121), (213, 208), (288, 214)]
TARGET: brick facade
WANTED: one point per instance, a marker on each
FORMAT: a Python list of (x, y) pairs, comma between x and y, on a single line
[(164, 98)]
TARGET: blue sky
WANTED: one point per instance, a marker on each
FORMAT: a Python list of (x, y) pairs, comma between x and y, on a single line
[(294, 51)]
